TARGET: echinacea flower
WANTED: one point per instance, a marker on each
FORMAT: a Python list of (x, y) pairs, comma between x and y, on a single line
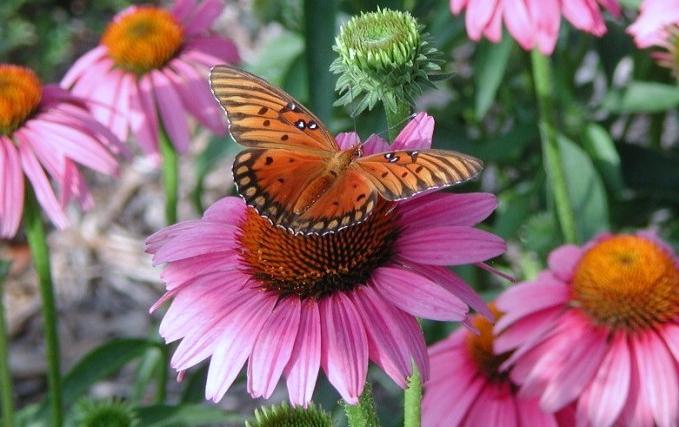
[(532, 23), (467, 388), (245, 290), (599, 327), (44, 128), (658, 25), (150, 72)]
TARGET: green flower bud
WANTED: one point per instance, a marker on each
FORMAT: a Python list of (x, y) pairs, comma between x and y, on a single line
[(383, 56), (98, 413), (286, 416)]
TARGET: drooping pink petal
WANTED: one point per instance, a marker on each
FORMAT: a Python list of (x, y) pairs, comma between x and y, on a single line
[(143, 116), (463, 394), (449, 245), (82, 64), (75, 186), (195, 94), (527, 298), (416, 135), (219, 47), (182, 9), (203, 17), (494, 407), (670, 334), (478, 15), (519, 22), (455, 285), (273, 348), (438, 209), (41, 186), (658, 373), (603, 400), (431, 301), (236, 343), (546, 17), (530, 414), (192, 242), (525, 330), (344, 351), (171, 111), (11, 189), (302, 369)]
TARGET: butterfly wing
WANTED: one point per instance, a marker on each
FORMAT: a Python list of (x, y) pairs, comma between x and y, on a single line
[(398, 175), (262, 116)]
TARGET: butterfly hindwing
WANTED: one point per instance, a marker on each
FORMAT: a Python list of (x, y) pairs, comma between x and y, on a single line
[(262, 116), (398, 175)]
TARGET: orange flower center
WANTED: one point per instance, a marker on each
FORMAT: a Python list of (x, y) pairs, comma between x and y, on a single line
[(627, 282), (143, 39), (481, 348), (315, 266), (20, 94)]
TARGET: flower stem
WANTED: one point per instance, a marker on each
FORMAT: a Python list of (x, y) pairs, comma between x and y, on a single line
[(319, 29), (544, 91), (396, 120), (6, 392), (170, 176), (35, 233), (413, 400), (363, 414), (161, 390)]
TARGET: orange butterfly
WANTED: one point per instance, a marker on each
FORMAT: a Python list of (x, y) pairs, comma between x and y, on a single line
[(293, 172)]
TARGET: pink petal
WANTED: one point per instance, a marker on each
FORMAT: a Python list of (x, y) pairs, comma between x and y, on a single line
[(456, 6), (41, 185), (344, 352), (519, 23), (203, 17), (162, 236), (417, 134), (659, 378), (143, 116), (177, 273), (530, 414), (479, 14), (449, 245), (386, 343), (455, 285), (82, 64), (11, 189), (221, 47), (605, 397), (236, 344), (462, 395), (346, 140), (525, 329), (183, 8), (302, 369), (203, 238), (75, 186), (670, 334), (171, 111), (562, 261), (494, 407), (273, 348), (375, 144), (439, 209), (493, 30), (418, 295), (527, 298), (229, 210)]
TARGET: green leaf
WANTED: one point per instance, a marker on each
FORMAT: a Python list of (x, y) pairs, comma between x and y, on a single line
[(185, 416), (489, 67), (218, 148), (276, 57), (194, 386), (585, 189), (98, 364), (650, 172), (319, 26), (540, 233), (602, 151), (642, 97)]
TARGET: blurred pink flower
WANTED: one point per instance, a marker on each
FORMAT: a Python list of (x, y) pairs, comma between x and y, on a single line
[(245, 290), (44, 128), (599, 328), (151, 69), (533, 23), (466, 388), (658, 25)]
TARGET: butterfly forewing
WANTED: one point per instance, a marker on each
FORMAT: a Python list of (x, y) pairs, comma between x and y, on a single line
[(398, 175), (262, 116)]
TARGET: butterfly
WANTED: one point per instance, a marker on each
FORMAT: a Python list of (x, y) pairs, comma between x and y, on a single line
[(294, 173)]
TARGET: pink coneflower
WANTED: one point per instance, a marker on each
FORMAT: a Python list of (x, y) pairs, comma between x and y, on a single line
[(599, 328), (533, 23), (466, 387), (245, 290), (658, 25), (44, 128), (151, 69)]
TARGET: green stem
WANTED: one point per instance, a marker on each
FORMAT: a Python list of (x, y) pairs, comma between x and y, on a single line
[(6, 392), (413, 400), (396, 120), (319, 30), (170, 176), (542, 76), (161, 391), (35, 233), (363, 414)]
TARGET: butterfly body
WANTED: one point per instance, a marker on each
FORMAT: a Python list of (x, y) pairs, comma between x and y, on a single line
[(293, 172)]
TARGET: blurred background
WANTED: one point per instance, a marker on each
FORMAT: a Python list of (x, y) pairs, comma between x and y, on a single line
[(620, 142)]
